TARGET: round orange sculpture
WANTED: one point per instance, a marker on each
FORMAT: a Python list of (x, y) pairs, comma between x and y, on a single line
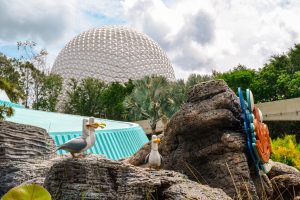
[(263, 141)]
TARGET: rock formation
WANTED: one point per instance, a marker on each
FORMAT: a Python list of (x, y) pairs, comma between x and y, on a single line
[(24, 154), (285, 181), (96, 177), (205, 141)]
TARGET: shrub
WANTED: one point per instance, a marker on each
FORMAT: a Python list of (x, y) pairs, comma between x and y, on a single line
[(286, 150)]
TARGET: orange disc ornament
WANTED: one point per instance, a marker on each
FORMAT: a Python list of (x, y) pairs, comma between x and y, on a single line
[(263, 141)]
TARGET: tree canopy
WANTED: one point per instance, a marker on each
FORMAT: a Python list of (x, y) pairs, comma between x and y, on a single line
[(149, 98)]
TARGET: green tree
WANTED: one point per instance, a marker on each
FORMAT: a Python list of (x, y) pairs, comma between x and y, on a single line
[(85, 97), (149, 100), (32, 71), (279, 78), (10, 78), (238, 77), (26, 71), (113, 97), (47, 96), (9, 69), (294, 57)]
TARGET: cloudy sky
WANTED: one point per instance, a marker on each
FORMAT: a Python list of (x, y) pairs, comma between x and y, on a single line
[(198, 35)]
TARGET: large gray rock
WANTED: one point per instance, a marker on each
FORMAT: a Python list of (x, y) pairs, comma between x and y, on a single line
[(205, 141), (281, 169), (24, 154), (95, 177), (285, 181)]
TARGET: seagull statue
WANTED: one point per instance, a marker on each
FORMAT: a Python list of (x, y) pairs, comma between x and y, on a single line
[(154, 159), (86, 140)]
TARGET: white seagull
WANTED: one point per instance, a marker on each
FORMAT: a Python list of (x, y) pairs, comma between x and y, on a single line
[(154, 159), (85, 141)]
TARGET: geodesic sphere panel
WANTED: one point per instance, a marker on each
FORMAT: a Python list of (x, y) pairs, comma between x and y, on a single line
[(112, 53)]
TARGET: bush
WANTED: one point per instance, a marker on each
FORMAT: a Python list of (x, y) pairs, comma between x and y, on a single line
[(286, 150)]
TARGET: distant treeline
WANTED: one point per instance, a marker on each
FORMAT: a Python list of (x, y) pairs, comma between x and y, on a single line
[(151, 98)]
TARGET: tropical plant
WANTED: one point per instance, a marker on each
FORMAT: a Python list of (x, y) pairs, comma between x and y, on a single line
[(5, 111), (149, 100), (177, 96), (12, 92), (27, 192), (286, 150), (194, 79)]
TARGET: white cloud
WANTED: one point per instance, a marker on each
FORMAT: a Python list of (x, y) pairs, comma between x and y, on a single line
[(198, 36), (206, 35)]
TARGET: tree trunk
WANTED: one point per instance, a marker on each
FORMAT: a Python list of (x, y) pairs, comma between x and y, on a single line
[(153, 127)]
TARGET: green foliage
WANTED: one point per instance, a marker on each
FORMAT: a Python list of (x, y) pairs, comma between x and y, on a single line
[(9, 70), (92, 97), (47, 94), (286, 150), (85, 98), (113, 97), (194, 79), (27, 192), (10, 89), (150, 100), (10, 78), (280, 78), (5, 111), (238, 77), (177, 96)]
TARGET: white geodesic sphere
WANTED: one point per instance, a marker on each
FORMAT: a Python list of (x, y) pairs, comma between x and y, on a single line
[(112, 53)]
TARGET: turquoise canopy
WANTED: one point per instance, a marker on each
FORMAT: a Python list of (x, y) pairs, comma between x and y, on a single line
[(116, 141)]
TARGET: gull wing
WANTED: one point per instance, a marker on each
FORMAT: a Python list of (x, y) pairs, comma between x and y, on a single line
[(147, 158), (74, 145)]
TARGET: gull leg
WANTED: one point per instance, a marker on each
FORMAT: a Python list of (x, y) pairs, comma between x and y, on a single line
[(73, 155), (81, 156)]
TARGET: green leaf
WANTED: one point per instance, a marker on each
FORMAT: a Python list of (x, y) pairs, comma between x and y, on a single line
[(27, 192)]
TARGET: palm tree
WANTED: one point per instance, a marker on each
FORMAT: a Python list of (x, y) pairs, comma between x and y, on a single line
[(149, 100)]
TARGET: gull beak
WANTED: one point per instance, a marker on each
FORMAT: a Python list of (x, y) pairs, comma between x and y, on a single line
[(96, 125), (157, 140)]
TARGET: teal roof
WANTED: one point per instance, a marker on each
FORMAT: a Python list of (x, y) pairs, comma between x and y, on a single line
[(11, 104), (117, 140)]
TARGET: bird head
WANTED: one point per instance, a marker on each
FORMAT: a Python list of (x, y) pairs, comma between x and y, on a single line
[(155, 139), (96, 125)]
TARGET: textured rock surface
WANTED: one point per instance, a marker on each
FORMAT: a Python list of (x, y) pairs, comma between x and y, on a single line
[(281, 169), (286, 186), (285, 181), (98, 178), (205, 141), (24, 154)]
